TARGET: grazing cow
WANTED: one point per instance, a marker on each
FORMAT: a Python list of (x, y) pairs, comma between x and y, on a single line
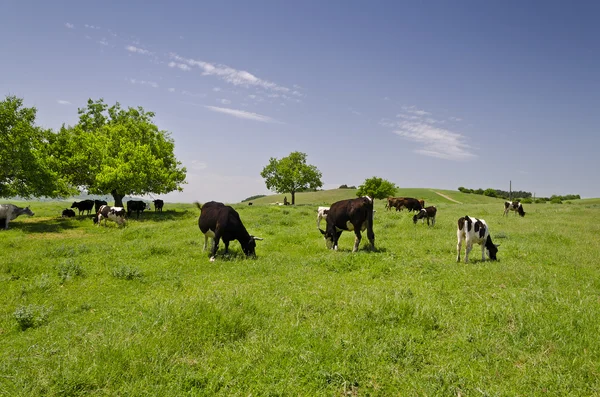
[(219, 221), (321, 214), (392, 202), (352, 215), (250, 203), (513, 206), (158, 205), (475, 230), (115, 214), (422, 202), (426, 213), (411, 204), (8, 212), (83, 206), (98, 204), (67, 213), (137, 206)]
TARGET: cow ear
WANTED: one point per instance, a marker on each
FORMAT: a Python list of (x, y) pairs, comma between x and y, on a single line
[(257, 238), (322, 231), (497, 245)]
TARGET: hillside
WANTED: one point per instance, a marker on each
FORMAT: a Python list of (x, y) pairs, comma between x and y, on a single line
[(326, 197)]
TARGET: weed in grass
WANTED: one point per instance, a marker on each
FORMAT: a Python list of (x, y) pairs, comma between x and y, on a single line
[(31, 316), (68, 270), (127, 273)]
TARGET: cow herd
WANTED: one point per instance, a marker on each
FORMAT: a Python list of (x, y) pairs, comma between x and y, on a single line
[(218, 221)]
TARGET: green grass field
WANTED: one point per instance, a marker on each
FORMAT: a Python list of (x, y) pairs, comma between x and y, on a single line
[(140, 310)]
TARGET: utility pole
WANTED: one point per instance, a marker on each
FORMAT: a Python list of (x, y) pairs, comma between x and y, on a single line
[(510, 191)]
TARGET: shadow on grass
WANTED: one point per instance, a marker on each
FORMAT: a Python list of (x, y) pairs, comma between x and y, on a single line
[(45, 226), (151, 216)]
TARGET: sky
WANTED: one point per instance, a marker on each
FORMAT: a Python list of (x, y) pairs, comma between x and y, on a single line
[(436, 94)]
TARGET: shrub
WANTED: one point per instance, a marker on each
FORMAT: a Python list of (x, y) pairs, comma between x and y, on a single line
[(68, 270), (127, 273), (527, 201), (31, 316), (490, 192), (556, 200)]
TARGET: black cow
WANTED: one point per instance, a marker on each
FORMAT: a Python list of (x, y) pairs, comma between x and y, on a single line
[(98, 204), (426, 213), (85, 205), (158, 205), (352, 215), (137, 206), (219, 221), (67, 213), (411, 204)]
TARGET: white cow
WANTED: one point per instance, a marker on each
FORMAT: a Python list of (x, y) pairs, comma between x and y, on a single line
[(115, 214), (8, 212), (475, 230), (321, 214)]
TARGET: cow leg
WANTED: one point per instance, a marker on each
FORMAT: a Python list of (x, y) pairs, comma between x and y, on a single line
[(357, 239), (215, 247), (458, 247), (468, 250), (205, 241), (483, 252), (336, 238), (226, 246)]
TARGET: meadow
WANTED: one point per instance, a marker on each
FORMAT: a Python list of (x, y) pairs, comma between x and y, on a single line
[(140, 310)]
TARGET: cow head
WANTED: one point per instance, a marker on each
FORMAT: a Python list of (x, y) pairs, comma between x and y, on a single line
[(419, 215), (491, 248), (328, 238), (27, 211), (250, 246)]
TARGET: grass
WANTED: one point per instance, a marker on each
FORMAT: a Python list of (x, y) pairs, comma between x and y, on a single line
[(140, 310)]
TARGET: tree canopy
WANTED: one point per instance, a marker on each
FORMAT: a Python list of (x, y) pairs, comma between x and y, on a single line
[(376, 188), (26, 167), (291, 174), (118, 151)]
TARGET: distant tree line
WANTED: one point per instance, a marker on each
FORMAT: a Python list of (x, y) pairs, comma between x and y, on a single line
[(253, 197), (524, 197), (344, 186)]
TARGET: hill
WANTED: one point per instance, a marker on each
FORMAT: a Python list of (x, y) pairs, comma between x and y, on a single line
[(433, 196)]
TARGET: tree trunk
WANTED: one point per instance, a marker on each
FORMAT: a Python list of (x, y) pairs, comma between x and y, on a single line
[(293, 197), (118, 198)]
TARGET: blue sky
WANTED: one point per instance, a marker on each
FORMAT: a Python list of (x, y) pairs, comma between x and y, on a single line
[(425, 94)]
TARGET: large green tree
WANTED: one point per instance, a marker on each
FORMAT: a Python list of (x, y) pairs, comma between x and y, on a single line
[(376, 188), (26, 167), (118, 151), (291, 174)]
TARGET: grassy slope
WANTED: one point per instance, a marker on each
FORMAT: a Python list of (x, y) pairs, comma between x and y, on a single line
[(326, 197), (141, 311)]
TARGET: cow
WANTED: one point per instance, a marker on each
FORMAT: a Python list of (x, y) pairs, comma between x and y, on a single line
[(219, 221), (422, 202), (8, 212), (158, 205), (250, 203), (513, 206), (115, 214), (321, 214), (426, 213), (392, 202), (352, 215), (136, 206), (411, 204), (475, 230), (83, 206), (98, 204), (67, 213)]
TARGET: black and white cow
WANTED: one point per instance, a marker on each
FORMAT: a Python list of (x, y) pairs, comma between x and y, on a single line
[(67, 213), (219, 221), (513, 206), (474, 231), (426, 213), (158, 205), (8, 212), (84, 206), (98, 204), (352, 215), (321, 214), (136, 206), (115, 214)]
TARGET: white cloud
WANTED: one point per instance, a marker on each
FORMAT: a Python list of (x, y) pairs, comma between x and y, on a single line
[(225, 101), (193, 94), (217, 89), (415, 111), (171, 89), (63, 102), (138, 50), (452, 118), (91, 27), (198, 165), (242, 114), (231, 75), (69, 25), (144, 82), (181, 66), (437, 142), (103, 41)]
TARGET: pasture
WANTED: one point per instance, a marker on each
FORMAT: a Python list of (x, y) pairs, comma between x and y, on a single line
[(140, 310)]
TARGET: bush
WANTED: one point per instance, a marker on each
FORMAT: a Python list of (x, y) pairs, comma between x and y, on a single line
[(127, 273), (556, 200), (490, 192), (527, 201), (69, 270), (31, 316)]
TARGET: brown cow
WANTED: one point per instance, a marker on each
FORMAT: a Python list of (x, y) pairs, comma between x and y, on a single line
[(352, 215)]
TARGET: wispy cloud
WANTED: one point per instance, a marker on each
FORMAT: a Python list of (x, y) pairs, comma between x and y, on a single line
[(144, 82), (452, 118), (69, 25), (225, 101), (63, 102), (231, 75), (435, 141), (103, 42), (92, 27), (193, 94), (171, 89), (242, 114), (198, 165), (181, 66), (138, 50)]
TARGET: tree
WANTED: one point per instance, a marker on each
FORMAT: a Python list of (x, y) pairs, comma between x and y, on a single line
[(291, 174), (376, 188), (119, 152), (26, 168), (490, 192)]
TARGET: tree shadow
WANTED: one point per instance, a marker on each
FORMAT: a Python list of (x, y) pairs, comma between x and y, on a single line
[(44, 226), (152, 216)]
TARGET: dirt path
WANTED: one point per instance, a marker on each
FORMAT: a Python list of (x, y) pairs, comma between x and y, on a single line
[(446, 197)]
